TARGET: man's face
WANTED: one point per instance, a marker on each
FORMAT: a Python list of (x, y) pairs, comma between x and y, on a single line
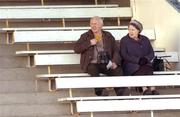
[(95, 25), (133, 32)]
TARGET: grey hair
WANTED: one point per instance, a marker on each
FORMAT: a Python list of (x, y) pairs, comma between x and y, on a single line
[(97, 18)]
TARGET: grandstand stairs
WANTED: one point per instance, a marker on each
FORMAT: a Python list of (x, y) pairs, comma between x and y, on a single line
[(19, 96)]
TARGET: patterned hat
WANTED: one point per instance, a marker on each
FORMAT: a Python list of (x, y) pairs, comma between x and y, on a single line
[(136, 24)]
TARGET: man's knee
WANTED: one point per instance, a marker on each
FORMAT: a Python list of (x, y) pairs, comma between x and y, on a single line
[(120, 91), (92, 70), (101, 92), (117, 72)]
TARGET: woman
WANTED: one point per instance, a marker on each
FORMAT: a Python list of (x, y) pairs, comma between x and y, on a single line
[(137, 54)]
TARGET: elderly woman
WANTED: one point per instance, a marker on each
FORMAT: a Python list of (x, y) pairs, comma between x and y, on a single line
[(137, 54)]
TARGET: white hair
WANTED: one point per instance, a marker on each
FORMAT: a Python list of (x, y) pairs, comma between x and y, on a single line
[(97, 18)]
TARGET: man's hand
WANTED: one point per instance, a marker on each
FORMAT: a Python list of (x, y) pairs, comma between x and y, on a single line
[(93, 41), (114, 66)]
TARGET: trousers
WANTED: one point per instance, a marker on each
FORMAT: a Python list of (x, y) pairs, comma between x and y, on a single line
[(143, 70), (95, 69)]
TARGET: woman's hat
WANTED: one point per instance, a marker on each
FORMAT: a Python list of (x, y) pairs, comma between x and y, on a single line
[(136, 24)]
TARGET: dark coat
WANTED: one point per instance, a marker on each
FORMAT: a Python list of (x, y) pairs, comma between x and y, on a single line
[(83, 47), (131, 51)]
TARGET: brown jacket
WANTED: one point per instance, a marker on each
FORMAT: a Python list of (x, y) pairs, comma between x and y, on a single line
[(83, 47)]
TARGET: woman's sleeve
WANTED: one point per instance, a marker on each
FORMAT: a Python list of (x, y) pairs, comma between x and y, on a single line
[(150, 55)]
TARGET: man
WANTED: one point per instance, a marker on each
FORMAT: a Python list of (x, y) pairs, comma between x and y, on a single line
[(99, 54)]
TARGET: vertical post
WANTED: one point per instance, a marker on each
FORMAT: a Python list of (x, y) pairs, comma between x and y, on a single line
[(28, 46), (49, 80), (130, 91), (28, 61), (49, 70), (7, 37), (36, 84), (71, 108), (50, 84), (11, 37), (7, 34), (70, 92), (71, 104), (119, 22), (92, 114), (133, 7), (96, 2), (63, 22), (28, 57), (7, 23), (42, 2), (152, 113)]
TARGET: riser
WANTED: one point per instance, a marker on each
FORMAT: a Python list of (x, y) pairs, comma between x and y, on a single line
[(22, 86), (12, 62), (30, 98), (29, 86), (51, 97), (20, 73), (33, 110), (56, 111), (17, 86), (10, 49)]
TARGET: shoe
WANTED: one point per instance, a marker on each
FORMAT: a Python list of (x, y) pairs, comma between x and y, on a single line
[(155, 92), (104, 93), (120, 91), (147, 92), (139, 89)]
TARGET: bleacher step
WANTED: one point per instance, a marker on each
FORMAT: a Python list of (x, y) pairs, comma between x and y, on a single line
[(20, 73), (30, 98), (20, 110), (12, 62)]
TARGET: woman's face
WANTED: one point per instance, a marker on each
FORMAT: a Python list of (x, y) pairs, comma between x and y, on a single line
[(133, 32)]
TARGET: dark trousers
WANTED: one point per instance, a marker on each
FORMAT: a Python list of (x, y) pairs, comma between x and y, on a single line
[(143, 70), (95, 69)]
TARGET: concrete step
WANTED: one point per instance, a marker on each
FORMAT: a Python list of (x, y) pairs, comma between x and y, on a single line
[(57, 110), (20, 73), (30, 98), (20, 110), (12, 61), (17, 86), (10, 49), (48, 116), (22, 86)]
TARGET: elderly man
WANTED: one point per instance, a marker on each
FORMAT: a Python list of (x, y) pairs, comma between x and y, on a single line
[(99, 54)]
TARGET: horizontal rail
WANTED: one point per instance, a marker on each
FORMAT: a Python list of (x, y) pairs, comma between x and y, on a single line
[(64, 13)]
